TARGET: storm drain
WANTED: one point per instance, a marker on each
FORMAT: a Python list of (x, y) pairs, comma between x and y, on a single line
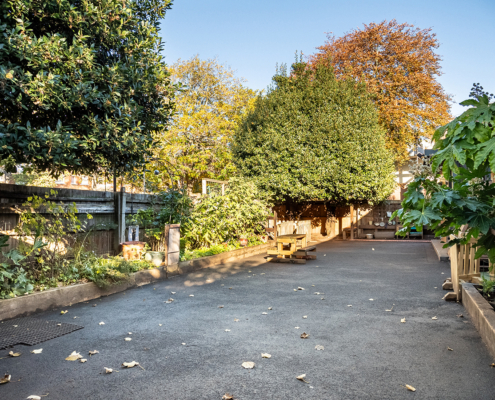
[(31, 331)]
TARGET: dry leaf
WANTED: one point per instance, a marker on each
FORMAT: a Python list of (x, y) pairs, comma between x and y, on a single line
[(5, 379), (127, 339), (64, 312), (130, 365), (403, 320), (264, 313), (390, 309), (373, 249), (270, 308), (74, 356), (227, 330), (296, 327), (305, 317), (130, 333), (12, 354), (83, 360), (38, 351), (371, 299), (492, 365), (93, 352), (173, 292), (227, 396), (319, 347), (101, 323), (159, 324), (448, 348), (313, 285), (236, 319), (59, 324), (300, 288), (301, 378), (108, 370), (183, 344), (304, 335), (410, 388), (459, 316), (248, 364), (191, 295), (295, 290), (349, 305), (323, 298), (33, 397), (75, 317), (435, 318), (324, 255), (266, 355), (94, 305), (220, 306), (262, 273), (230, 288)]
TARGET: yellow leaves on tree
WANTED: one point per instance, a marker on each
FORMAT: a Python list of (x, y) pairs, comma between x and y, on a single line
[(209, 107), (399, 64)]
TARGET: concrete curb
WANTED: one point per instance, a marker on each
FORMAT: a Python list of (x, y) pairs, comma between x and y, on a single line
[(481, 313), (68, 295)]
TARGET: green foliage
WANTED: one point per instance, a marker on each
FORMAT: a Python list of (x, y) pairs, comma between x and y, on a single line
[(216, 219), (174, 208), (465, 157), (488, 286), (83, 84), (313, 137), (186, 254)]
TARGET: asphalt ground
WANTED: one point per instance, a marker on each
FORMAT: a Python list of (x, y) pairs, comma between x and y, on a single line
[(368, 352)]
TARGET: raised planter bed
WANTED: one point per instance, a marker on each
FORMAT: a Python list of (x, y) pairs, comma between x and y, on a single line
[(482, 314), (68, 295)]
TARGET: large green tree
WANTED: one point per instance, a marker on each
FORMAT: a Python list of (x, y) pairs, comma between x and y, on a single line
[(83, 85), (313, 137)]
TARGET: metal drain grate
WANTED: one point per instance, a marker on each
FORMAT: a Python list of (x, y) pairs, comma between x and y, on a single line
[(32, 331)]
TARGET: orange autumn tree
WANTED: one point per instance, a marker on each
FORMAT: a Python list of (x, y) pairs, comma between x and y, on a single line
[(399, 64)]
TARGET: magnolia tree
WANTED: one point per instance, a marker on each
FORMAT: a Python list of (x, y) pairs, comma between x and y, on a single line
[(83, 84), (313, 137), (456, 195)]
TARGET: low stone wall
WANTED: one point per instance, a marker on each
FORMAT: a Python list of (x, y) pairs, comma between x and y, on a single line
[(68, 295), (481, 313)]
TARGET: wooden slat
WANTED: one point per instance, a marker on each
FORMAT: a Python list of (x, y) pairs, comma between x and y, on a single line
[(454, 255)]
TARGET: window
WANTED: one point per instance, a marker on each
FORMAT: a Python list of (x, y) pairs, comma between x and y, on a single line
[(73, 180), (85, 180)]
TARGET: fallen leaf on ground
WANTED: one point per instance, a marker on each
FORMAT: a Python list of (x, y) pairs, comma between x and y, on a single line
[(38, 351), (33, 397), (410, 388), (74, 356), (448, 348), (264, 313), (83, 360), (492, 365), (305, 317), (220, 306), (262, 273), (191, 295), (443, 273), (94, 305), (403, 320), (75, 317), (93, 352), (301, 378), (12, 354), (59, 324), (130, 333), (459, 316), (5, 379), (390, 309), (101, 323), (130, 364), (323, 298), (304, 335), (266, 355), (296, 327), (349, 305), (183, 344), (227, 396), (270, 308), (371, 299), (236, 319), (230, 288), (64, 312), (373, 249), (434, 318), (227, 330), (108, 370), (127, 339), (248, 364), (300, 288), (173, 292), (312, 285), (319, 347), (159, 324), (295, 290)]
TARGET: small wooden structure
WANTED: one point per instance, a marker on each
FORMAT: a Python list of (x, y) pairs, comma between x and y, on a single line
[(297, 251), (463, 266)]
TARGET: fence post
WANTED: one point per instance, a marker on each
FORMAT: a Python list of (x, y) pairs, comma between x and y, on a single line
[(120, 207)]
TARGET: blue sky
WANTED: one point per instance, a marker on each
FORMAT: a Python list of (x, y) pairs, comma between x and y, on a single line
[(252, 36)]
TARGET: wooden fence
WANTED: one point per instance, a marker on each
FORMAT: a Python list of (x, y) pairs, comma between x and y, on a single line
[(463, 265), (108, 209)]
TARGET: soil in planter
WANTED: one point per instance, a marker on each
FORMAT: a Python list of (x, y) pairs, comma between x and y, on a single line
[(487, 297)]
